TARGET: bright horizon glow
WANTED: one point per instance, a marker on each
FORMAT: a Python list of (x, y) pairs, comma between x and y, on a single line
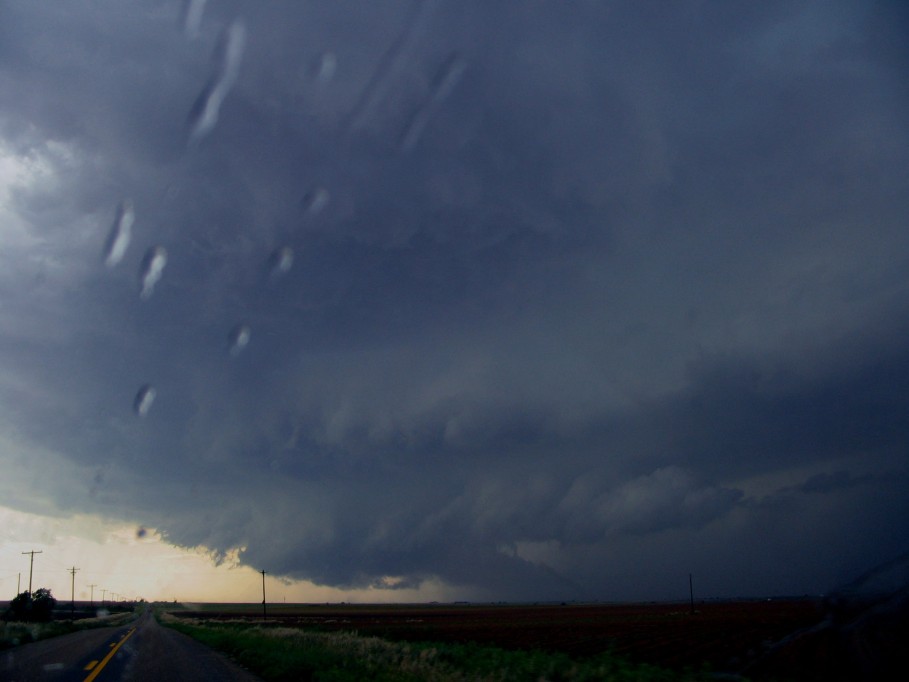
[(111, 555)]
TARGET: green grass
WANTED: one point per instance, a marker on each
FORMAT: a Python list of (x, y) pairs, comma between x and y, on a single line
[(282, 654)]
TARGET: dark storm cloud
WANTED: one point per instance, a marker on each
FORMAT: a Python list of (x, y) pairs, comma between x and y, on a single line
[(531, 296)]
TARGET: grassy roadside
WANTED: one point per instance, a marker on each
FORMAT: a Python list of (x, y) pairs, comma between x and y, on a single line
[(282, 654), (14, 633)]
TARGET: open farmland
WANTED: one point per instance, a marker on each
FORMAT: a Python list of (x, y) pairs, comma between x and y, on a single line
[(724, 635)]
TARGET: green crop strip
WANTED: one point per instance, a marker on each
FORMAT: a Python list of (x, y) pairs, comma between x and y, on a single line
[(281, 654)]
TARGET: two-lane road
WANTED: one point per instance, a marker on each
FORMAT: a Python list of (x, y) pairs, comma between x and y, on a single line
[(140, 652)]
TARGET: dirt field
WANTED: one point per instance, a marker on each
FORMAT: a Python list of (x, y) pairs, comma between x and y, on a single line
[(725, 635)]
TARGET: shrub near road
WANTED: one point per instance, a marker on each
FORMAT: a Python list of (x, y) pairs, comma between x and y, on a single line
[(14, 633)]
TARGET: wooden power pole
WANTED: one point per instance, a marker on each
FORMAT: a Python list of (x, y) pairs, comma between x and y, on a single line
[(72, 594), (264, 614), (691, 592), (31, 565)]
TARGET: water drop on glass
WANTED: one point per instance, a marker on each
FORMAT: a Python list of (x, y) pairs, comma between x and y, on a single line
[(120, 234), (204, 114), (144, 399), (192, 17), (445, 80), (326, 66), (280, 261), (316, 200), (447, 77), (151, 270), (238, 338)]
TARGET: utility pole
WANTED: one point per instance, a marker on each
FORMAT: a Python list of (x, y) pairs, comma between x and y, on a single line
[(72, 594), (31, 565), (264, 615), (93, 595), (19, 583), (691, 592), (103, 592)]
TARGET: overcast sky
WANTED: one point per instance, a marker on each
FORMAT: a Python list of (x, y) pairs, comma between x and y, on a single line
[(497, 299)]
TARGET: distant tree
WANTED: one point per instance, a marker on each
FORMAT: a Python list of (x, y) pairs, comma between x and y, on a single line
[(33, 607), (43, 604), (19, 608)]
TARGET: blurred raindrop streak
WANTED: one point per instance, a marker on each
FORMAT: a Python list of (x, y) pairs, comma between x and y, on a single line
[(447, 78), (151, 270), (316, 200), (204, 115), (280, 262), (120, 234), (238, 339), (389, 64), (192, 17), (326, 66), (144, 399)]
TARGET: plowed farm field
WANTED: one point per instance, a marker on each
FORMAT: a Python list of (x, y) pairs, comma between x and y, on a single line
[(724, 634)]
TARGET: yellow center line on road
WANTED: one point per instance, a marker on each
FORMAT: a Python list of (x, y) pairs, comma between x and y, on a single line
[(104, 661), (91, 665)]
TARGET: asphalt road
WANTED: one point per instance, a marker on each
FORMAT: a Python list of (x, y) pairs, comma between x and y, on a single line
[(142, 651)]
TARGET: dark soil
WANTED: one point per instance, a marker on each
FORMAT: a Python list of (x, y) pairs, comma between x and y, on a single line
[(725, 635)]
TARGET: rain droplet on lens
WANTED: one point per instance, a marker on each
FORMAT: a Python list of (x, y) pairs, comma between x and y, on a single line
[(315, 200), (326, 65), (144, 399), (445, 80), (447, 77), (205, 111), (150, 271), (280, 261), (192, 17), (120, 234), (204, 114), (238, 339)]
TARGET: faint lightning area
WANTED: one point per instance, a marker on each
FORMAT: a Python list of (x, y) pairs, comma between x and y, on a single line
[(389, 65)]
